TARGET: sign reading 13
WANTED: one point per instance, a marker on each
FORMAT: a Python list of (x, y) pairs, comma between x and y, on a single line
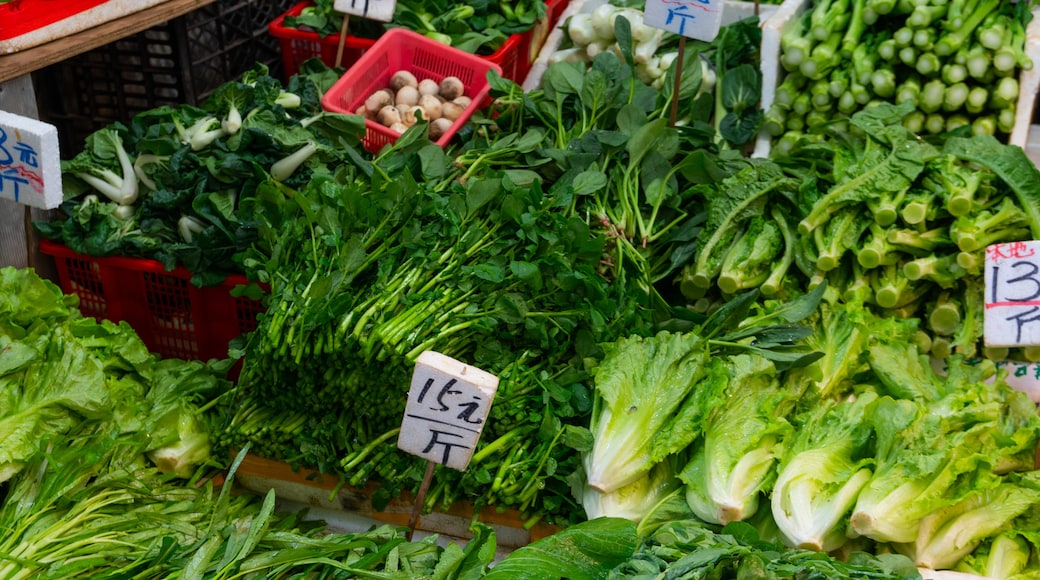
[(1013, 294)]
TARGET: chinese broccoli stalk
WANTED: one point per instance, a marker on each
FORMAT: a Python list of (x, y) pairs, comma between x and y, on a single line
[(733, 463), (823, 469), (886, 167), (649, 401), (734, 244)]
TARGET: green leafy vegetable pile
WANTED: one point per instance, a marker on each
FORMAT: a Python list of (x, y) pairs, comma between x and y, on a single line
[(465, 253), (956, 63), (90, 486), (611, 548), (477, 27), (863, 448), (886, 218), (59, 368), (367, 275), (176, 185)]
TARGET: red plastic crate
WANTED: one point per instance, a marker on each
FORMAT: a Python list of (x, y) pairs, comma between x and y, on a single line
[(513, 57), (19, 17), (173, 317), (401, 49), (300, 45)]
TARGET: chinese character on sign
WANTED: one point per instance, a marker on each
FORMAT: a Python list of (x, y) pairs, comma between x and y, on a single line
[(382, 10), (1012, 275), (448, 403), (30, 168), (700, 19)]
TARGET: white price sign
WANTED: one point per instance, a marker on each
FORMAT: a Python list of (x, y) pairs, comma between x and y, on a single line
[(700, 19), (448, 404), (30, 166), (1012, 278), (382, 10)]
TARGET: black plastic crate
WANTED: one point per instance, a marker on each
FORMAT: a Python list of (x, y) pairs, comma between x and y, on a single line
[(177, 62)]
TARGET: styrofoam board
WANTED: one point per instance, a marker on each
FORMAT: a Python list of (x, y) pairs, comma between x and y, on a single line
[(781, 21), (732, 11), (85, 20)]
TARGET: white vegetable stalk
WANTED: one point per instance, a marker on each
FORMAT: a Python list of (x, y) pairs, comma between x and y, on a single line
[(203, 132), (139, 164), (120, 189), (288, 100), (232, 122), (188, 227), (593, 33), (285, 167), (124, 212), (807, 518)]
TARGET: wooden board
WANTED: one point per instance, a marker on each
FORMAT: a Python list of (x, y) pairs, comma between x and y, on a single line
[(312, 488)]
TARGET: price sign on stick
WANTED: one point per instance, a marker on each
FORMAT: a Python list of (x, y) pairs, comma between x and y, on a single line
[(1012, 279), (448, 403), (30, 166), (700, 19), (382, 10)]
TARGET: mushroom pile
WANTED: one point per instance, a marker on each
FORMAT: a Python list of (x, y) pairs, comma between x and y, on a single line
[(408, 99)]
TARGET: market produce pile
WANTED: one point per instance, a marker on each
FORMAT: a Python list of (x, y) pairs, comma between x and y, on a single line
[(957, 63), (175, 185), (683, 334), (111, 478), (476, 27)]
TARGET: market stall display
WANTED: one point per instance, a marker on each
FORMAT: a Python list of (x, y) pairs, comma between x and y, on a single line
[(710, 362), (508, 34)]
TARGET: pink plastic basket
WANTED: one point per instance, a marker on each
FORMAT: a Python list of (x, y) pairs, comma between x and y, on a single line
[(400, 49)]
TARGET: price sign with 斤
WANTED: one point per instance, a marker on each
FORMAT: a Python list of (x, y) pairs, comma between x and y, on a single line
[(1012, 278), (700, 19), (382, 10), (30, 166), (448, 404)]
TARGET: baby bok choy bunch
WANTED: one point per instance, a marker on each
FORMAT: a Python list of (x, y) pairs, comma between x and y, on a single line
[(175, 184), (958, 62)]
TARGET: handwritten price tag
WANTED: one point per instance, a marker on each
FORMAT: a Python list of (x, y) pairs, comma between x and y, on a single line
[(1013, 294), (382, 10), (448, 403), (700, 19), (30, 166)]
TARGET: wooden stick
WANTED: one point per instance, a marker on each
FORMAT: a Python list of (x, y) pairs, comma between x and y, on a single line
[(420, 498), (756, 7), (677, 81), (30, 241), (342, 39)]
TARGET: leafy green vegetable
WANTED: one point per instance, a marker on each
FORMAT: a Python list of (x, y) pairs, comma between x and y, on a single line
[(734, 461), (587, 550), (474, 27), (182, 180), (949, 534), (825, 465), (60, 368), (689, 548), (650, 399)]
